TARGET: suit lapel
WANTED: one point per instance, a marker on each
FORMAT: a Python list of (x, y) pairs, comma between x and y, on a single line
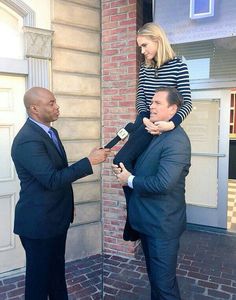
[(46, 136), (38, 129)]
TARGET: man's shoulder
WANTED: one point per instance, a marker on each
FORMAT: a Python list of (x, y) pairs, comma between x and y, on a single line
[(178, 131), (24, 129), (181, 131), (27, 132), (178, 135)]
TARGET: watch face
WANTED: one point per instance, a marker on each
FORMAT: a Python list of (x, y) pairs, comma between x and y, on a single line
[(122, 133)]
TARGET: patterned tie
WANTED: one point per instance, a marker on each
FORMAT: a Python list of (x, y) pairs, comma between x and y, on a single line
[(54, 139)]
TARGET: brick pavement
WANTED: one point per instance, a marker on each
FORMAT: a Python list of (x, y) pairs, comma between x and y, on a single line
[(84, 281), (206, 271)]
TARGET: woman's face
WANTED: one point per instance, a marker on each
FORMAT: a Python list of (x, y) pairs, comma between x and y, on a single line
[(148, 46)]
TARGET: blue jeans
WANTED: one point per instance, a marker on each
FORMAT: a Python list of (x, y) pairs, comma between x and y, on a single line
[(161, 262)]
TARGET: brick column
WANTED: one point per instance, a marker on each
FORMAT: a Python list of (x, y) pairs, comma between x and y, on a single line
[(119, 81)]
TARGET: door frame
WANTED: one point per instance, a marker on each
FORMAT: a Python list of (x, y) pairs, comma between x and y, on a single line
[(35, 65), (216, 217), (13, 117)]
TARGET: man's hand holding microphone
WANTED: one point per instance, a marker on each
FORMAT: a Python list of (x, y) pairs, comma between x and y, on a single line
[(98, 155)]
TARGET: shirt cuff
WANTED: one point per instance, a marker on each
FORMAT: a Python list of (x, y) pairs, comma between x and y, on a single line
[(130, 181)]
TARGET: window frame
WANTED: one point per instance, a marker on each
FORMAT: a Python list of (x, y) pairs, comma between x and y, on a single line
[(210, 13)]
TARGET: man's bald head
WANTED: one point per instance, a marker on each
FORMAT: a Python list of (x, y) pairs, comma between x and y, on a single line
[(33, 96), (41, 105)]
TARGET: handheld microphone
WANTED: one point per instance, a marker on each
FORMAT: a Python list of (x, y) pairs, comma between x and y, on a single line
[(121, 135)]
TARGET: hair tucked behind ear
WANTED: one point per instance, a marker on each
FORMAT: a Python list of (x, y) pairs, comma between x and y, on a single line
[(164, 49)]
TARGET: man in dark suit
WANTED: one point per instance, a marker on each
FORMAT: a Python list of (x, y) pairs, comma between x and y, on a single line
[(46, 207), (157, 209)]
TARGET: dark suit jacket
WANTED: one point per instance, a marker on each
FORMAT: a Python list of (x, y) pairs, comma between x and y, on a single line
[(157, 203), (45, 206)]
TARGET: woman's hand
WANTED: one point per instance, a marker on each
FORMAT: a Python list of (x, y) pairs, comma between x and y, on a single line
[(158, 127), (165, 125)]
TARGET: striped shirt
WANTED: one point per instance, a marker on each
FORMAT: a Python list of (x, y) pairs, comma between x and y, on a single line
[(173, 73)]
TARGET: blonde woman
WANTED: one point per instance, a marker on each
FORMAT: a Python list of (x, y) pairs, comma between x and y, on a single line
[(160, 68)]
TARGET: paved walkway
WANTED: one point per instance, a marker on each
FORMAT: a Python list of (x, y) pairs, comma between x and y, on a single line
[(206, 271)]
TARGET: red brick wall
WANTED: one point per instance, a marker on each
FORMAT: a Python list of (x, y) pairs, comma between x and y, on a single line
[(119, 78)]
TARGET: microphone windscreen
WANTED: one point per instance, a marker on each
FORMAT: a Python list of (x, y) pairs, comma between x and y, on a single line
[(130, 127)]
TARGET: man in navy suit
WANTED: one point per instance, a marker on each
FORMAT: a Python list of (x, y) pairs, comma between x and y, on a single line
[(156, 208), (46, 206)]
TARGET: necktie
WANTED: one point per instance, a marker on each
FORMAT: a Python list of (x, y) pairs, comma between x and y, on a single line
[(54, 139)]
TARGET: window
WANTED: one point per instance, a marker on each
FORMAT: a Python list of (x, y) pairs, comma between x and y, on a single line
[(201, 8), (211, 60), (232, 128), (11, 34)]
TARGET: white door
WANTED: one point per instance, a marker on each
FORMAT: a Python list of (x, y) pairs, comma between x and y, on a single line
[(207, 182), (12, 117)]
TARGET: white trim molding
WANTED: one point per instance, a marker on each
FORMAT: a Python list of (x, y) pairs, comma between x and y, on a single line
[(39, 72), (37, 49), (13, 66), (203, 14), (23, 10), (38, 42)]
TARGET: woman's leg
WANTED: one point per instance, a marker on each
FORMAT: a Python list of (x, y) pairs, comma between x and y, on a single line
[(128, 154), (136, 144)]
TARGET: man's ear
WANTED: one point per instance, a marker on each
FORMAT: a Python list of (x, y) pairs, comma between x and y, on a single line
[(173, 109), (33, 109)]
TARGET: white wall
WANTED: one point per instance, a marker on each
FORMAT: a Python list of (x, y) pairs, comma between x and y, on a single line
[(173, 16), (42, 9)]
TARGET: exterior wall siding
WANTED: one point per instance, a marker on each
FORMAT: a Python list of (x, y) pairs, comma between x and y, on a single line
[(76, 84)]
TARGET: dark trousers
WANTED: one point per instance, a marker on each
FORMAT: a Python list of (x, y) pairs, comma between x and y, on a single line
[(161, 262), (45, 268), (128, 154)]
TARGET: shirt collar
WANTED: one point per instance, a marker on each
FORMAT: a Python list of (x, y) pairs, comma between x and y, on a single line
[(44, 127)]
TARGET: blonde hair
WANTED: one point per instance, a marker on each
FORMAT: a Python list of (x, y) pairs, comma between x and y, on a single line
[(164, 49)]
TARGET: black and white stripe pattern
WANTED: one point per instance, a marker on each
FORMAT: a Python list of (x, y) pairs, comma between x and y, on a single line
[(174, 73)]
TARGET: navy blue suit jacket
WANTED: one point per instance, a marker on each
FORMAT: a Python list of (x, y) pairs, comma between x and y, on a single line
[(157, 203), (45, 206)]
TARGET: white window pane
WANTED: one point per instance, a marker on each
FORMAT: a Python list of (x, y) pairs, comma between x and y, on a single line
[(202, 126), (11, 33), (201, 6)]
